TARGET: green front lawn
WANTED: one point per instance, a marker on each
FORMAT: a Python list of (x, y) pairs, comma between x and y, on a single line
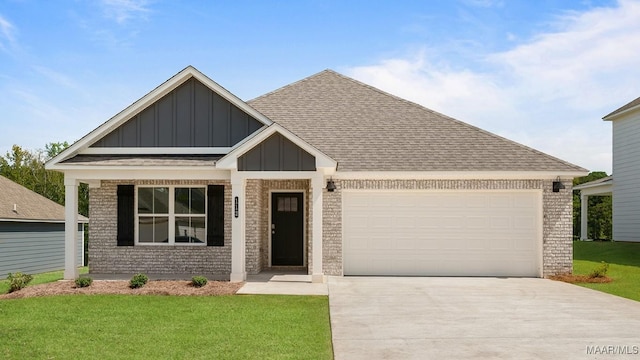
[(624, 265), (41, 278), (165, 327)]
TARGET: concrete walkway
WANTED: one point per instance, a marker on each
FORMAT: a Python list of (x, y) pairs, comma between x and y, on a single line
[(477, 318), (279, 283)]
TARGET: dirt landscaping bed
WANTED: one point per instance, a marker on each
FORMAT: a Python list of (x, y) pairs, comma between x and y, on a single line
[(575, 279), (159, 287)]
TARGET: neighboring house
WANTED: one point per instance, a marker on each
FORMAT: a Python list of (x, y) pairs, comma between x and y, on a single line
[(624, 184), (32, 231), (326, 174)]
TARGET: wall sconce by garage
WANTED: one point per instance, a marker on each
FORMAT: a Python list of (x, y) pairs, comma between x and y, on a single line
[(557, 185), (331, 186)]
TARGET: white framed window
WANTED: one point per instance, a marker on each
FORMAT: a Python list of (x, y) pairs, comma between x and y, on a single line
[(171, 215)]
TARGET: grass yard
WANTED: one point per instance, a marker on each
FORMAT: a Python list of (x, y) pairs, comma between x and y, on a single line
[(624, 265), (41, 278), (165, 327)]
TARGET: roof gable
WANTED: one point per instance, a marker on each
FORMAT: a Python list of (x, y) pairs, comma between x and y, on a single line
[(191, 115), (187, 111), (366, 129), (277, 153), (234, 159)]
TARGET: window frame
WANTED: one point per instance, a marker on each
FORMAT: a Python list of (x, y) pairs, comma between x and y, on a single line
[(171, 215)]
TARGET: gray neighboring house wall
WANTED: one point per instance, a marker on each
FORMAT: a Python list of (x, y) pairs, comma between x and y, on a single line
[(31, 231), (326, 174)]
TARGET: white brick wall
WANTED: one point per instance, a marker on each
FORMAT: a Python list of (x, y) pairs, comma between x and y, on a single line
[(106, 257), (258, 229), (557, 216)]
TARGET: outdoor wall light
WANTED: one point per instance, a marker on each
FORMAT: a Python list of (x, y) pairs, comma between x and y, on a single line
[(331, 186), (557, 185)]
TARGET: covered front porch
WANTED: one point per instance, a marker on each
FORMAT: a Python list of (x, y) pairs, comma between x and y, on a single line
[(259, 206), (280, 228)]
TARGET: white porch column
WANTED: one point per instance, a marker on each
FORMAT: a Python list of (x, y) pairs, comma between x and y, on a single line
[(584, 211), (70, 228), (238, 268), (317, 185)]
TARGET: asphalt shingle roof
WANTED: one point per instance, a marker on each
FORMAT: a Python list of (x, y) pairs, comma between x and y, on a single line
[(29, 205), (366, 129), (627, 106)]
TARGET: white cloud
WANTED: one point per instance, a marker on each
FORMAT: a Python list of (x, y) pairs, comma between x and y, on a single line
[(123, 10), (56, 77), (549, 92), (7, 33)]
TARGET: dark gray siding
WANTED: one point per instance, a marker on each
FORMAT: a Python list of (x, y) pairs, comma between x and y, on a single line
[(277, 153), (33, 247), (190, 116)]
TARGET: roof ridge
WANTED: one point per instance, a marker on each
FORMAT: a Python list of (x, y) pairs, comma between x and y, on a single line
[(424, 108)]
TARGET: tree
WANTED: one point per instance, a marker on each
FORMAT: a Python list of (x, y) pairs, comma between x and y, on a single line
[(600, 214)]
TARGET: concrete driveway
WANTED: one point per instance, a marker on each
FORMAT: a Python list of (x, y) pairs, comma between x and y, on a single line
[(478, 318)]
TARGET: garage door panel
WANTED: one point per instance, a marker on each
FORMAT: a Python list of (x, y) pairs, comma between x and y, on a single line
[(448, 234), (477, 201)]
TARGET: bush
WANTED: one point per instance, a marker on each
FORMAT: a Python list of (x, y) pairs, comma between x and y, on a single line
[(18, 281), (199, 281), (138, 281), (83, 282), (599, 271)]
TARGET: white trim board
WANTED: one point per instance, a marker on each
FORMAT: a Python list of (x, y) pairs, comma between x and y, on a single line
[(455, 175), (156, 151)]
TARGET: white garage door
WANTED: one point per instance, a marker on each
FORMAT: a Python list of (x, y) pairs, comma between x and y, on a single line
[(434, 233)]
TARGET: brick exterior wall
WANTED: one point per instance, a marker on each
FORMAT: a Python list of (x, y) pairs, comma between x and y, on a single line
[(332, 231), (557, 227), (255, 249), (106, 257)]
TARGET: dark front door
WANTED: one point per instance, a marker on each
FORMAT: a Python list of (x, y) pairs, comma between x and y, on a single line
[(287, 236)]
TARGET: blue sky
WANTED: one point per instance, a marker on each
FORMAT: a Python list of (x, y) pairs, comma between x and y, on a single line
[(540, 72)]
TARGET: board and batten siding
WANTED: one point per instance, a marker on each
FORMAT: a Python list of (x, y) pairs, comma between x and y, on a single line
[(34, 247), (277, 153), (626, 184), (192, 115)]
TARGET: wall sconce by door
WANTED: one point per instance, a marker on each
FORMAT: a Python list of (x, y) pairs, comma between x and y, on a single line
[(557, 185)]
